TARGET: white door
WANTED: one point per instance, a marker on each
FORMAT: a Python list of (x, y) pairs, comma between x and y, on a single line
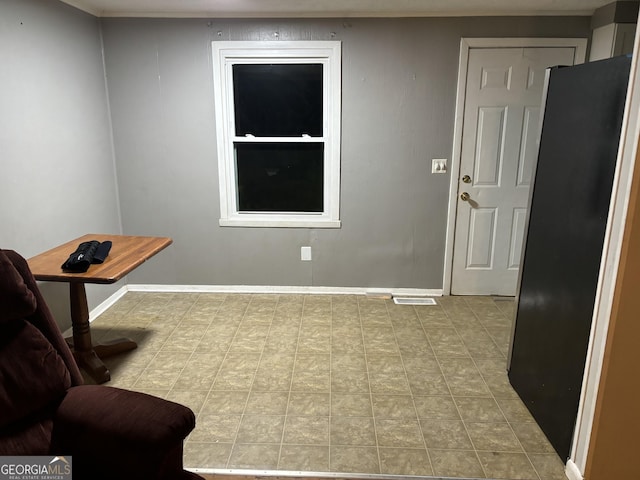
[(500, 135)]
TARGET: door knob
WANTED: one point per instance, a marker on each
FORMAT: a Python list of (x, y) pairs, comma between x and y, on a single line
[(465, 196), (466, 179)]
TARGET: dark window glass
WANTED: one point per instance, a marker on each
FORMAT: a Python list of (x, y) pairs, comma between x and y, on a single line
[(280, 177), (278, 100)]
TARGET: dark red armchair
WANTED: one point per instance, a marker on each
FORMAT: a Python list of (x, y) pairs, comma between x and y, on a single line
[(45, 409)]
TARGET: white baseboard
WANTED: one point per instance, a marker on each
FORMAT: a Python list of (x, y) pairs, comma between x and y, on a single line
[(100, 309), (572, 471), (412, 292)]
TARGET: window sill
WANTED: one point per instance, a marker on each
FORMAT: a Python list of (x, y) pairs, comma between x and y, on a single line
[(279, 223)]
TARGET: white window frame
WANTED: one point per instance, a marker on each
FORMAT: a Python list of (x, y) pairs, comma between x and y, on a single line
[(225, 55)]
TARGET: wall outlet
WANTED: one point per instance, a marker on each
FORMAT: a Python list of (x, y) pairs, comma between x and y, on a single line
[(439, 165), (305, 254)]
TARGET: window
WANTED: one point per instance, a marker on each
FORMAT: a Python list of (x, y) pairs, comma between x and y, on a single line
[(278, 132)]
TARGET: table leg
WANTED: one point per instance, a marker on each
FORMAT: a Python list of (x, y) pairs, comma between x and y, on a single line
[(82, 348), (86, 354)]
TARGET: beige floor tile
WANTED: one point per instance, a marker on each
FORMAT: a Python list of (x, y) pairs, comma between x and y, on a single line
[(162, 371), (345, 314), (493, 319), (207, 455), (199, 372), (350, 382), (371, 320), (405, 461), (315, 404), (237, 371), (500, 335), (428, 384), (192, 399), (260, 315), (414, 346), (311, 373), (184, 339), (196, 317), (352, 362), (314, 338), (215, 339), (349, 374), (348, 459), (162, 393), (306, 458), (463, 378), (532, 438), (514, 410), (358, 431), (387, 375), (249, 338), (212, 427), (261, 429), (351, 405), (434, 319), (420, 365), (499, 386), (316, 316), (267, 403), (254, 456), (549, 466), (225, 402), (274, 372), (456, 463), (393, 406), (445, 434), (494, 437), (289, 314), (399, 432), (511, 466), (345, 343), (480, 344), (380, 341), (306, 430), (479, 409), (282, 339), (492, 366), (441, 407)]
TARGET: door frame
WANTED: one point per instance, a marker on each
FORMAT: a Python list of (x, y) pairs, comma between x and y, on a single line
[(466, 44)]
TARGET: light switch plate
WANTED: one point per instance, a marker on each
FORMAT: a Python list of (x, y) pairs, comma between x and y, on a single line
[(439, 165)]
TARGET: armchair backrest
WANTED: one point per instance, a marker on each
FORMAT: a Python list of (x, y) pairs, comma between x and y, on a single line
[(18, 293), (36, 366)]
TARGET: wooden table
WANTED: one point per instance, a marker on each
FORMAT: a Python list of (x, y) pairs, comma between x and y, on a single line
[(127, 253)]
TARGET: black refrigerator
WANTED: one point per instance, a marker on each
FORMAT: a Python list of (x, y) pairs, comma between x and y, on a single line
[(568, 213)]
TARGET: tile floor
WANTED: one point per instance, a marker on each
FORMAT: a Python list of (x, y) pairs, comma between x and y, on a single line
[(322, 383)]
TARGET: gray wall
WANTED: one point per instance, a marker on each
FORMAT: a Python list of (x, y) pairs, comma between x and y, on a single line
[(57, 176), (399, 85)]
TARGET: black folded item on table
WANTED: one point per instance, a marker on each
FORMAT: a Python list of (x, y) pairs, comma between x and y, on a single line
[(87, 253), (101, 252)]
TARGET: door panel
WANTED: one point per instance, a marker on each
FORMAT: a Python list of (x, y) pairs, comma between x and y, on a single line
[(499, 149), (482, 237), (489, 150), (528, 146), (517, 237)]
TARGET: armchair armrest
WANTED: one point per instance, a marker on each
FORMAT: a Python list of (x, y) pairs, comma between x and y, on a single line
[(114, 431)]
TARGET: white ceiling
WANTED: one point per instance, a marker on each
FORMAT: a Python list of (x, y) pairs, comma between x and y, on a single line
[(333, 8)]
